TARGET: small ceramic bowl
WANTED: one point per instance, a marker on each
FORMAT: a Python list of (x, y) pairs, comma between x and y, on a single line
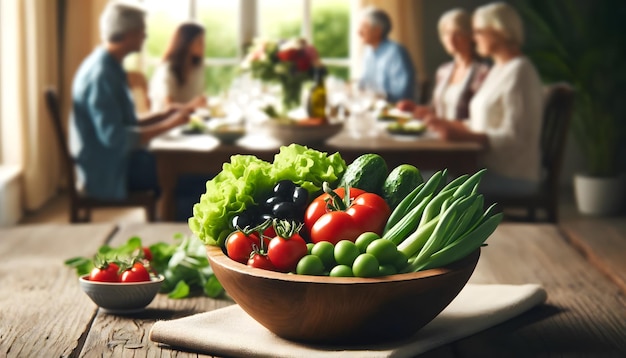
[(341, 310), (121, 298)]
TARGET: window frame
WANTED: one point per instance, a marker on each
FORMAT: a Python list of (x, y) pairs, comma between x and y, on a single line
[(249, 28)]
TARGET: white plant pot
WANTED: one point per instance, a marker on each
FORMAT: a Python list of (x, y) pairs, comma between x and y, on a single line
[(599, 196)]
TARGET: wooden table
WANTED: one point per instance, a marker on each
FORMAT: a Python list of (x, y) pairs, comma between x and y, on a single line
[(43, 312), (203, 154)]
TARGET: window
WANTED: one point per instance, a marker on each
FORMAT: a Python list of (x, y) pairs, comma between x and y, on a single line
[(232, 24)]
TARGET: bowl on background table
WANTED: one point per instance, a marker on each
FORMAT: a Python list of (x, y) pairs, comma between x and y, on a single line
[(121, 297), (290, 132), (341, 310)]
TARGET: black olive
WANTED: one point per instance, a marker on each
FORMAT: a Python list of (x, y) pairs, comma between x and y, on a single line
[(284, 189), (244, 219), (273, 200), (300, 197), (285, 210)]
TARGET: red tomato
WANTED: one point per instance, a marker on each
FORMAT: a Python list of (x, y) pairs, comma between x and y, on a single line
[(147, 254), (106, 273), (269, 232), (261, 261), (239, 246), (318, 206), (285, 253), (137, 273), (371, 211), (367, 212), (334, 227)]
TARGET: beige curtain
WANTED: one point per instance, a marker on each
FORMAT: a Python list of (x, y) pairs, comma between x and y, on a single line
[(81, 36), (30, 53), (29, 64), (406, 16)]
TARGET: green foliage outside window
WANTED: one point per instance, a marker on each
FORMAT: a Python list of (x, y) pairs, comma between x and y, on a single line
[(330, 29)]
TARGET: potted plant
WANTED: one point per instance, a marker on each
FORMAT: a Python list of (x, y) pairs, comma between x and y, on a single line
[(581, 42)]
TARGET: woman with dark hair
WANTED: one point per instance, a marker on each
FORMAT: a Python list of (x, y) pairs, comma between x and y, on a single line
[(179, 79)]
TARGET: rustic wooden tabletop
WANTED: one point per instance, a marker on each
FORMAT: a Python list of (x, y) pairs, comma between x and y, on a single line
[(43, 312)]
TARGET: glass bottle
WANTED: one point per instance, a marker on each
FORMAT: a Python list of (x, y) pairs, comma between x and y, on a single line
[(316, 104)]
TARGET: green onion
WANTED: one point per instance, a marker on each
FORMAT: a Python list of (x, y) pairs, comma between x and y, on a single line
[(403, 207), (407, 224), (465, 246)]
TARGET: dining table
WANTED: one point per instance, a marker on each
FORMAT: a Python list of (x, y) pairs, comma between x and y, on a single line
[(178, 154), (44, 313)]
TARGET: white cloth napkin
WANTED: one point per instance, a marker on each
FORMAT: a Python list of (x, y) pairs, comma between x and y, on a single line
[(231, 332)]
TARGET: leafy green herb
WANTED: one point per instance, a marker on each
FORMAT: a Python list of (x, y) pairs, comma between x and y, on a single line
[(183, 263)]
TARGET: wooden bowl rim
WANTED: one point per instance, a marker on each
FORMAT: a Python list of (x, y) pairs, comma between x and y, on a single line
[(216, 254), (290, 126)]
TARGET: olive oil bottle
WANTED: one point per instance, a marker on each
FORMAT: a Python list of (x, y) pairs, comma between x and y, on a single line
[(316, 104)]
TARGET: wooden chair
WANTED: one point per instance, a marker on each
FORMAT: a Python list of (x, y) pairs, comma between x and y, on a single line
[(557, 114), (81, 205)]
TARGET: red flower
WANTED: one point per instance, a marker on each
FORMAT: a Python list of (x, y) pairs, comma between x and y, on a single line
[(288, 55)]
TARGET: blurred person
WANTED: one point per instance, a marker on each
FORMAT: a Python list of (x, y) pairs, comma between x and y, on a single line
[(106, 137), (387, 65), (456, 81), (179, 78), (506, 112)]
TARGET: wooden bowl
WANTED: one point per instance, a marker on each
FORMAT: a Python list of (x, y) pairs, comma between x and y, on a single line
[(337, 310), (287, 133)]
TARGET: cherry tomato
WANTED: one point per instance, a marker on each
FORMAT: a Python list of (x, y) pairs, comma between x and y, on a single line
[(147, 254), (137, 273), (284, 253), (261, 261), (108, 272), (239, 246)]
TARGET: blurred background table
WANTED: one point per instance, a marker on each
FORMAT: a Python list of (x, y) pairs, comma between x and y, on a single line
[(43, 312), (204, 154)]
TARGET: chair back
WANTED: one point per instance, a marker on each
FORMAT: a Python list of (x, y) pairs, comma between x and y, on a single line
[(54, 109), (557, 114)]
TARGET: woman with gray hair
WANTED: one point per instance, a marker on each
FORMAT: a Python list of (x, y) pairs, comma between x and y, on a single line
[(106, 136), (388, 68), (456, 81), (506, 113)]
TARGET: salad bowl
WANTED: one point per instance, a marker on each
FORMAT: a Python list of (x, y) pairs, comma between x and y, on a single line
[(341, 310)]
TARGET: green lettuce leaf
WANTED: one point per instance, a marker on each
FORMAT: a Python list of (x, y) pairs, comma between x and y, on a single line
[(246, 179)]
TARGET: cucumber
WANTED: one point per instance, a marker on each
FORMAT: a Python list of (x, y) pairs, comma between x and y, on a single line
[(400, 182), (367, 172)]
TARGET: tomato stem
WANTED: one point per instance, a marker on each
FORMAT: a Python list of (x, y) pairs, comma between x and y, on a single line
[(286, 229), (335, 202)]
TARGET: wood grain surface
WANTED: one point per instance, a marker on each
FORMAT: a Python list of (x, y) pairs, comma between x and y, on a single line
[(43, 312), (602, 242), (120, 336), (585, 314)]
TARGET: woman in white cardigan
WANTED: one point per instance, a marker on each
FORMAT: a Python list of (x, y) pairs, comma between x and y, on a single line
[(506, 113), (456, 81)]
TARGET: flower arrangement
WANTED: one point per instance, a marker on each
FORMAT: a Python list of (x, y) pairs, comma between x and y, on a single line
[(289, 63)]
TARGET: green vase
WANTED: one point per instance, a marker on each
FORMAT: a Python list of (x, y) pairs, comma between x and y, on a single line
[(291, 96)]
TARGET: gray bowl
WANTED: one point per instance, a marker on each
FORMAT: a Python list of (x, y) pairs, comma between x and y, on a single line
[(122, 297)]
